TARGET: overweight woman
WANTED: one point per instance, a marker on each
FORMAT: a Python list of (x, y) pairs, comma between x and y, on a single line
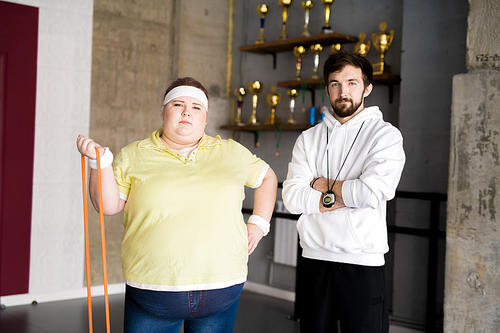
[(185, 248)]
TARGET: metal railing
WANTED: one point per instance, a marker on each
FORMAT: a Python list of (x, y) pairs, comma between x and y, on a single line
[(432, 233)]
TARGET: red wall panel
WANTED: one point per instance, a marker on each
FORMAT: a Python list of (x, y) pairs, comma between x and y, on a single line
[(18, 66)]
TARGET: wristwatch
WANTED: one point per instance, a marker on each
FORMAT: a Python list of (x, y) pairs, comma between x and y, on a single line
[(328, 199)]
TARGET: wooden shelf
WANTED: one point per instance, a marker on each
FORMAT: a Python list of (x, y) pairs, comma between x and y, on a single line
[(289, 44), (388, 80), (316, 83), (296, 84), (256, 128), (310, 84)]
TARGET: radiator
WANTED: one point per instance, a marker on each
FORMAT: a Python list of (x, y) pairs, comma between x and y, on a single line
[(285, 238)]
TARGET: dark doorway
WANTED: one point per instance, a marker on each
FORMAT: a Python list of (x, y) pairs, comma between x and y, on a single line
[(18, 67)]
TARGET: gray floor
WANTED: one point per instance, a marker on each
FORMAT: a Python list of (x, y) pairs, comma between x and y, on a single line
[(256, 313)]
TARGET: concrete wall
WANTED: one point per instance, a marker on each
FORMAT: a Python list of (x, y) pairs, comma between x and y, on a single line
[(472, 286), (473, 239), (203, 53), (102, 70), (132, 63), (138, 50)]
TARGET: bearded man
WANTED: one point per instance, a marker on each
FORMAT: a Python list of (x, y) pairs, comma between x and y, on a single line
[(343, 172)]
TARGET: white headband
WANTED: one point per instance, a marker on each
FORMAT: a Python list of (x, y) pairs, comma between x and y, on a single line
[(189, 91)]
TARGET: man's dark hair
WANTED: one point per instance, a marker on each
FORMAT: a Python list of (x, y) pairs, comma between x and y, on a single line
[(337, 61)]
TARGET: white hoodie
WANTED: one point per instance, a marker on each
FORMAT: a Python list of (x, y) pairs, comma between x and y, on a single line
[(356, 234)]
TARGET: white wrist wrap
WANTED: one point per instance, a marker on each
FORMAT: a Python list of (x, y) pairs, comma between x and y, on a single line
[(106, 160), (260, 222)]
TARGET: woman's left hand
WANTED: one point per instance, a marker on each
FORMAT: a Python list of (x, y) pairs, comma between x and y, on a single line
[(255, 234)]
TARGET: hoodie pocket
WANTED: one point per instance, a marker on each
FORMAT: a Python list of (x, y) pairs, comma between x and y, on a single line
[(332, 231)]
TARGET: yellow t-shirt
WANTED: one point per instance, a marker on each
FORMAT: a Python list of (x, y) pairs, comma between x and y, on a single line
[(184, 229)]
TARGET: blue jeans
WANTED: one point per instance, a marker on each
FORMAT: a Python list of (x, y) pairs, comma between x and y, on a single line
[(211, 311)]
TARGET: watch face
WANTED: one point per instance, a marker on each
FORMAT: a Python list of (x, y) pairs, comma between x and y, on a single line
[(328, 199)]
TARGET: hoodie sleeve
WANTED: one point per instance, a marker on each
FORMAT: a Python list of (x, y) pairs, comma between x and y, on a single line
[(380, 175), (298, 196)]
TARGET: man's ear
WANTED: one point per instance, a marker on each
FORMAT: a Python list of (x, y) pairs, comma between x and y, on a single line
[(368, 90)]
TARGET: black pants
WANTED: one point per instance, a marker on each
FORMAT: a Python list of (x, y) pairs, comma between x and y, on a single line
[(352, 294)]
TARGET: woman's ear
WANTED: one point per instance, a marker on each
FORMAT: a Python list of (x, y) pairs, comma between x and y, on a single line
[(368, 90)]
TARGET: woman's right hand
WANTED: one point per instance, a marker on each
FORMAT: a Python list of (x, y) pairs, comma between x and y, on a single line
[(86, 147)]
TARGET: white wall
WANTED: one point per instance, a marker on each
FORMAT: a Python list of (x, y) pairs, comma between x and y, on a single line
[(62, 112)]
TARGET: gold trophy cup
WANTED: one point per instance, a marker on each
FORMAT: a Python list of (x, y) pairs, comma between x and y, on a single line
[(326, 29), (316, 48), (361, 47), (262, 10), (255, 88), (382, 40), (336, 48), (299, 52), (293, 93), (284, 4), (307, 6), (273, 99), (240, 92)]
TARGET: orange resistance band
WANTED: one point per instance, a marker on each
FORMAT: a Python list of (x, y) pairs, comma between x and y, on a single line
[(103, 243), (87, 252)]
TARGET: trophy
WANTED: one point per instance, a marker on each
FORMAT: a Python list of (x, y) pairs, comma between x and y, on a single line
[(293, 93), (316, 48), (273, 99), (240, 92), (336, 48), (382, 40), (361, 47), (326, 29), (299, 52), (262, 10), (284, 4), (255, 88), (306, 5)]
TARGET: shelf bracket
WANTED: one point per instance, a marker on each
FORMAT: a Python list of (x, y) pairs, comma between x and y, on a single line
[(391, 90), (389, 81)]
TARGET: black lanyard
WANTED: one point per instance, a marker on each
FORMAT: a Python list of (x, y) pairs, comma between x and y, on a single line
[(328, 160)]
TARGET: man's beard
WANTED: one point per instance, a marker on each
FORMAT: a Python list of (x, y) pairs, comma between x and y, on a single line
[(343, 110)]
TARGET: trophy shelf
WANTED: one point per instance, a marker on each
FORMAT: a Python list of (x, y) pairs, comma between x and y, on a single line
[(256, 128), (289, 44), (388, 80)]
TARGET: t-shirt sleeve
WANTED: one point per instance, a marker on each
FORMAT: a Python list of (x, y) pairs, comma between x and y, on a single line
[(256, 168), (120, 170)]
